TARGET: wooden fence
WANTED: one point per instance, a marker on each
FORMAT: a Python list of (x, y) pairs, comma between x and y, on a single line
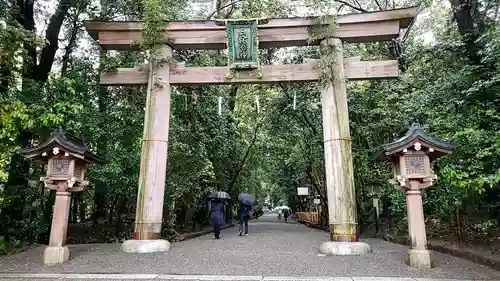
[(308, 217)]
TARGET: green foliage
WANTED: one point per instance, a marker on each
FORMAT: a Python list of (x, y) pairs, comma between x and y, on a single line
[(154, 17), (7, 247), (324, 28)]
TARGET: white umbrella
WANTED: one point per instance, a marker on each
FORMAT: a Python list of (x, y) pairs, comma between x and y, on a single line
[(280, 208)]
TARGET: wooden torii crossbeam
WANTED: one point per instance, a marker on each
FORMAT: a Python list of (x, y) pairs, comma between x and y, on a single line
[(355, 69), (370, 27), (284, 32)]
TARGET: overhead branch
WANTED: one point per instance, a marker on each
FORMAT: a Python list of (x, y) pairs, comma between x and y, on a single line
[(222, 8), (359, 9), (378, 5)]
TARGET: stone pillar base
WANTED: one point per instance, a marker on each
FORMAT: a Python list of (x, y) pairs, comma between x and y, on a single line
[(145, 246), (334, 248), (55, 255), (420, 259)]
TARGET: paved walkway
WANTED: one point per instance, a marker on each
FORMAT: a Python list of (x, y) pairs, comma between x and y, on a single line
[(272, 249)]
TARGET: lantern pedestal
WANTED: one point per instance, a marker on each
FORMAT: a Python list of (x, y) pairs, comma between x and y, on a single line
[(336, 248), (418, 256), (420, 259), (53, 255), (57, 252), (145, 246)]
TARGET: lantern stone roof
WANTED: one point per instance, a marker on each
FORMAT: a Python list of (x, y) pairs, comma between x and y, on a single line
[(66, 142), (416, 133)]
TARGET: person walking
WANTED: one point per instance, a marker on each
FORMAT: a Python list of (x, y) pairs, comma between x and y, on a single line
[(244, 215), (217, 216), (286, 214)]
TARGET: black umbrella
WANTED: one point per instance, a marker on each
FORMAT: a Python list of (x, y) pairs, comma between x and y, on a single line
[(247, 199), (219, 195)]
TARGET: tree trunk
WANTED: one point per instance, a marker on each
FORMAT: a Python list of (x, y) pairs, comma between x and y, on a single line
[(99, 192), (459, 226), (74, 208), (68, 50), (52, 38), (471, 26), (83, 207)]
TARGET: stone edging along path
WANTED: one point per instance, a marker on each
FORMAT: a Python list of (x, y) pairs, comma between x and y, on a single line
[(70, 276), (457, 252)]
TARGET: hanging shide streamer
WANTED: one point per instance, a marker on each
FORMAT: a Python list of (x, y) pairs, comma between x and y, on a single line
[(220, 105), (194, 99)]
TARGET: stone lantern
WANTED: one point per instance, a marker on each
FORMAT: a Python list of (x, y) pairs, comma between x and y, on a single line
[(411, 158), (66, 158)]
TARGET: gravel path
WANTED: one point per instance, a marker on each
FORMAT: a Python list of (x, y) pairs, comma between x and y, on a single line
[(272, 249)]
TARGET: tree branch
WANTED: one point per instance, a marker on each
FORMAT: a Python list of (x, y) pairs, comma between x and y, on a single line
[(222, 8), (359, 9), (378, 5)]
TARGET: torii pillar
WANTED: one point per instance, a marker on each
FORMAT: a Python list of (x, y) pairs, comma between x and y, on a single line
[(149, 212), (339, 173)]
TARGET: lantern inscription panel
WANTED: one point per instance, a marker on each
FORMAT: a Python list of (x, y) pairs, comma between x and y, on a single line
[(79, 171), (60, 168), (416, 166)]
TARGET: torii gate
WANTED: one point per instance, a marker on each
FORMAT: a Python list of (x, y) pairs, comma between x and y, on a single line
[(283, 32)]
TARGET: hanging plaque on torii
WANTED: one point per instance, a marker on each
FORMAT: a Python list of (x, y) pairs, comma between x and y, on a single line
[(242, 45)]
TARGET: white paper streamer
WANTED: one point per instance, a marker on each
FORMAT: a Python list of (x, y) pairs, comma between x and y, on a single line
[(294, 101), (220, 105), (257, 103)]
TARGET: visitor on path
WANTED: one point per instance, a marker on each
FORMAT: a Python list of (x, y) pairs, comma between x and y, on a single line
[(217, 216), (286, 214), (244, 215)]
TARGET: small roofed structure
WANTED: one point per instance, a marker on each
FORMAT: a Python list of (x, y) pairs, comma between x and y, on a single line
[(65, 142), (411, 156), (419, 139), (66, 157)]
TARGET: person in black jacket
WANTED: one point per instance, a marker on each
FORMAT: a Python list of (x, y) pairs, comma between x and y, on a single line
[(286, 214), (244, 215)]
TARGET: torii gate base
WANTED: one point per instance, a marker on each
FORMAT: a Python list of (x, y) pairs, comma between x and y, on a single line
[(194, 35)]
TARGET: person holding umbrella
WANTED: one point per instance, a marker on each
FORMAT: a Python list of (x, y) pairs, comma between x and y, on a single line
[(217, 209), (246, 201), (244, 215)]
